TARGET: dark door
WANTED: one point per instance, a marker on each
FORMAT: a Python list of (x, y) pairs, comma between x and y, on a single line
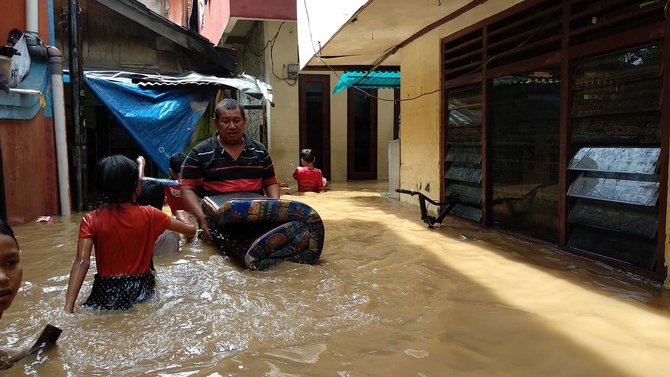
[(361, 134), (315, 119)]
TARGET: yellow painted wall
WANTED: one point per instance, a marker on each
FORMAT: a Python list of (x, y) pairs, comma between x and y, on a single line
[(285, 126), (283, 129), (420, 149), (384, 131), (338, 131)]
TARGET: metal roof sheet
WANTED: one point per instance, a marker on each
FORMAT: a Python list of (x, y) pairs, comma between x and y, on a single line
[(368, 80)]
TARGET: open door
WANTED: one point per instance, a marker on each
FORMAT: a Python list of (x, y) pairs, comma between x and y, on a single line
[(361, 134), (315, 119)]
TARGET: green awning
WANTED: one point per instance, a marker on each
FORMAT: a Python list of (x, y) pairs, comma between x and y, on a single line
[(369, 80)]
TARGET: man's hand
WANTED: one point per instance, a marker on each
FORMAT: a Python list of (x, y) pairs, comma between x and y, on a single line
[(204, 225)]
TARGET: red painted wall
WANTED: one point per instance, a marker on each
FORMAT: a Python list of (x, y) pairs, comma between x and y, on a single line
[(14, 16), (29, 168), (217, 14), (28, 150), (264, 9), (177, 10)]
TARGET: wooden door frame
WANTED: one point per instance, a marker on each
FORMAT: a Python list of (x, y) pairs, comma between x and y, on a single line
[(351, 174), (324, 154)]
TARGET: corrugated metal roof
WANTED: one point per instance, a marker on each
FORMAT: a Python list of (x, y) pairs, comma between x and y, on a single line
[(369, 80), (244, 83)]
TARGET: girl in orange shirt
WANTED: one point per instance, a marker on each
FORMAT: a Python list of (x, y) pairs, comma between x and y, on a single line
[(123, 234)]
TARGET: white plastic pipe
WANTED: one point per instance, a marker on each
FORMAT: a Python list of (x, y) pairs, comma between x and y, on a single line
[(32, 16), (61, 143)]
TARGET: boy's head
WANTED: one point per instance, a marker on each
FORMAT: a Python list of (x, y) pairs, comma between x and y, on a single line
[(176, 161), (307, 156)]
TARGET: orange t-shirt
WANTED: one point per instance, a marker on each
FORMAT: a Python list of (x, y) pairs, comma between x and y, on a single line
[(123, 237)]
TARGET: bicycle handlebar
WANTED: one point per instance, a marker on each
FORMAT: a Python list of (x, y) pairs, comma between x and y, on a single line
[(421, 196)]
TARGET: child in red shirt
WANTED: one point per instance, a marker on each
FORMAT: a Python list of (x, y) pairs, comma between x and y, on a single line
[(123, 234), (309, 178)]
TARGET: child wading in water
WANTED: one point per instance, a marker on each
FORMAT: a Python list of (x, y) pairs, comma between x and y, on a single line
[(123, 234), (11, 273), (309, 178)]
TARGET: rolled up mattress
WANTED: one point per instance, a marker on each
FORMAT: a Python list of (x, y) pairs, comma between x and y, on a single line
[(259, 232)]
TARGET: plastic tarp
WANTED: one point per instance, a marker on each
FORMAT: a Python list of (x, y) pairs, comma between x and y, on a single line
[(161, 121), (368, 80)]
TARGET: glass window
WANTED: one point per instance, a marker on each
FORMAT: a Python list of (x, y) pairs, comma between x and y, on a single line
[(616, 125), (463, 161), (524, 129)]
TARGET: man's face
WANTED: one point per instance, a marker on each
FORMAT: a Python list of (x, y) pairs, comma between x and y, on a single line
[(230, 125)]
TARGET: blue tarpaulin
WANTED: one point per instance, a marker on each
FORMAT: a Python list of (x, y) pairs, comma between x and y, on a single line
[(368, 80), (161, 121)]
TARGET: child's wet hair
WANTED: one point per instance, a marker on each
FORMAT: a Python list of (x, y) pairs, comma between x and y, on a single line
[(7, 230), (116, 179), (152, 195), (307, 155)]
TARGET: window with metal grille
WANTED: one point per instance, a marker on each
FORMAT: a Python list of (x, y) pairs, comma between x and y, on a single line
[(463, 161), (616, 137), (532, 32), (591, 20)]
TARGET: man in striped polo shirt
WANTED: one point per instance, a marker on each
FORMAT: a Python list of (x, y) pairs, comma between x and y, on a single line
[(227, 162)]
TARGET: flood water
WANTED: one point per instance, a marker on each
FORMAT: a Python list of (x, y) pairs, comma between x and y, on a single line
[(389, 297)]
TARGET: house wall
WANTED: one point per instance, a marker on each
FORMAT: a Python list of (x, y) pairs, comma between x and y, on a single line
[(338, 131), (110, 41), (14, 16), (217, 14), (420, 128), (29, 168), (420, 131), (263, 9), (29, 165), (283, 132)]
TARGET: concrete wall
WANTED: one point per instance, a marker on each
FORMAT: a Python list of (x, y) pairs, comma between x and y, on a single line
[(420, 148), (283, 132), (338, 131)]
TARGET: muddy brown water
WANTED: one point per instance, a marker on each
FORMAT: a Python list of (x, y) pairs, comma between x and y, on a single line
[(389, 297)]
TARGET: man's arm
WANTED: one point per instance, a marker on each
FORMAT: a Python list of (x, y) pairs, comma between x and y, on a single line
[(272, 191), (190, 199)]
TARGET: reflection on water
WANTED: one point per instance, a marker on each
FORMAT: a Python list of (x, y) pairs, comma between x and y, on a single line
[(389, 298)]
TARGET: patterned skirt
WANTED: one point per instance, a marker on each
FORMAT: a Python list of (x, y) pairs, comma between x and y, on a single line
[(119, 292)]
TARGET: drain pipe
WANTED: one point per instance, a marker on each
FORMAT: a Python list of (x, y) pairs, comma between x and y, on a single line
[(37, 50), (56, 65), (32, 16)]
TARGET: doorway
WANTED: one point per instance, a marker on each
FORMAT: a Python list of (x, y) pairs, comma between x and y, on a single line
[(315, 119), (361, 134)]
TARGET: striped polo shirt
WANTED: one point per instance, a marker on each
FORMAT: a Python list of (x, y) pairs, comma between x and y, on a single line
[(211, 170)]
